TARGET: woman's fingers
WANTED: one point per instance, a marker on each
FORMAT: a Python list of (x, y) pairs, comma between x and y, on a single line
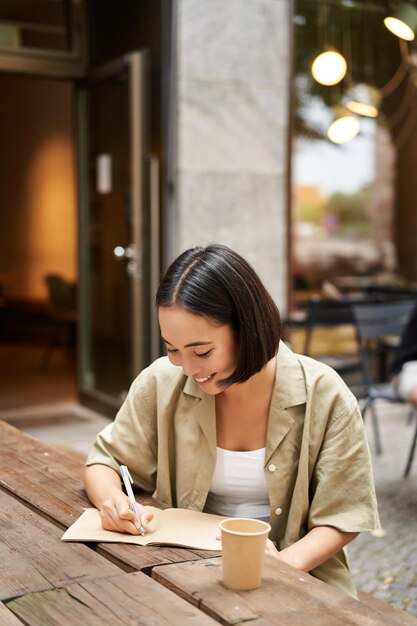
[(271, 549), (111, 521), (125, 512), (117, 514), (140, 519), (145, 516)]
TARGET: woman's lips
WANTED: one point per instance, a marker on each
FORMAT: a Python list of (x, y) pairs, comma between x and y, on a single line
[(203, 380)]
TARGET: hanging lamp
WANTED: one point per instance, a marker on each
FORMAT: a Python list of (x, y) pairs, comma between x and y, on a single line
[(363, 100), (329, 67), (344, 128), (403, 22)]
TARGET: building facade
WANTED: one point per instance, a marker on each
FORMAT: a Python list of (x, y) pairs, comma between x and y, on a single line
[(158, 127)]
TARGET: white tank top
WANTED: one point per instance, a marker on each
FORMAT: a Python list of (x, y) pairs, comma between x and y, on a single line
[(238, 487)]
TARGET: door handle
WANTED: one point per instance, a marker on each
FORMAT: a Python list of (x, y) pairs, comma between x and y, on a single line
[(134, 266), (129, 252)]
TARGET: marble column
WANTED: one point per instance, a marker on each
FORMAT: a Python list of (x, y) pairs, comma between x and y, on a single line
[(232, 124)]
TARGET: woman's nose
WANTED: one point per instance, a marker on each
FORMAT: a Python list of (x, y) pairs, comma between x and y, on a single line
[(189, 367)]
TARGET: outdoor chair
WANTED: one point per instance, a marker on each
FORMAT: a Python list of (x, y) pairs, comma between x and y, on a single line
[(61, 309), (376, 325), (327, 313), (390, 293), (413, 413)]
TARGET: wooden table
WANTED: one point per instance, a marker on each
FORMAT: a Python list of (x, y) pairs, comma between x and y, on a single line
[(46, 582)]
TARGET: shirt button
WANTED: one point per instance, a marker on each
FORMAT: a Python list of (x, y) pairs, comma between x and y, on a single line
[(278, 511), (272, 467)]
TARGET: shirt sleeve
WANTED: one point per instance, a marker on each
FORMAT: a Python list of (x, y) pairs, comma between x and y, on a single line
[(131, 439), (342, 485)]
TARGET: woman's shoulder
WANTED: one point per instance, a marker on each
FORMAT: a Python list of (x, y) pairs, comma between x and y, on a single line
[(321, 379), (312, 368), (309, 381), (316, 367), (160, 373), (327, 388), (317, 370)]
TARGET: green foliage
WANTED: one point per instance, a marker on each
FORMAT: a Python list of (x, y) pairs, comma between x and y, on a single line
[(345, 214), (350, 211), (312, 211)]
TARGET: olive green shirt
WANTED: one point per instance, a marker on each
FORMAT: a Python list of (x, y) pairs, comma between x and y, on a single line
[(317, 462)]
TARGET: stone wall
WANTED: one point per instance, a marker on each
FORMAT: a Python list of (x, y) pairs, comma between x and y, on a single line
[(232, 123)]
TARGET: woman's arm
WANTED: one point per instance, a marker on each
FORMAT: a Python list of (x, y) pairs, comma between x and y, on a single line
[(103, 487), (316, 547)]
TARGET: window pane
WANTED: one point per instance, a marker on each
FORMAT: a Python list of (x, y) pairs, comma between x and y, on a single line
[(343, 190), (39, 24)]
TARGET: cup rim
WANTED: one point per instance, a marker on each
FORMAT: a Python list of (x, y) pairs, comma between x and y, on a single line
[(267, 527)]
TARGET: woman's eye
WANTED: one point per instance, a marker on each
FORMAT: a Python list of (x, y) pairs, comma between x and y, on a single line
[(201, 356), (172, 350)]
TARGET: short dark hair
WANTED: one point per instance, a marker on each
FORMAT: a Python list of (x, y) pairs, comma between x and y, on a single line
[(217, 283)]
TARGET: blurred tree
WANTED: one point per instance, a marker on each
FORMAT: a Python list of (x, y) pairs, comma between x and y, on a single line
[(376, 58), (349, 210)]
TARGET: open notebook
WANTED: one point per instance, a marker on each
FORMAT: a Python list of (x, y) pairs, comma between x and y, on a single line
[(174, 527)]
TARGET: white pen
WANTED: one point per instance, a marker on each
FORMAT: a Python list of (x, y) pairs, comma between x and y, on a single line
[(128, 482)]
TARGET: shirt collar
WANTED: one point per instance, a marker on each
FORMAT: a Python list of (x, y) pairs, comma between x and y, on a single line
[(290, 385), (289, 388), (191, 388)]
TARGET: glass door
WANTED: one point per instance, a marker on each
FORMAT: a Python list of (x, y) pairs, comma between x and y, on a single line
[(114, 238)]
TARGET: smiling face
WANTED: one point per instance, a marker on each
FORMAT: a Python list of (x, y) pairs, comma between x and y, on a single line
[(204, 350)]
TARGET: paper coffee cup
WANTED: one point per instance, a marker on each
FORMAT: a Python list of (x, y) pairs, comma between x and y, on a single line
[(243, 551)]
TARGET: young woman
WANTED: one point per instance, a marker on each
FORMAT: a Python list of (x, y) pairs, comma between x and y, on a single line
[(232, 422)]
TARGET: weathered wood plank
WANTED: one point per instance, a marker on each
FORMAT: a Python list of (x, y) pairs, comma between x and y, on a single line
[(51, 482), (285, 597), (37, 473), (58, 508), (7, 618), (127, 599), (33, 557), (405, 618), (143, 558)]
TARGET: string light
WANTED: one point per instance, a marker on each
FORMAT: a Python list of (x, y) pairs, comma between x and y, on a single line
[(343, 129), (362, 99), (403, 23), (362, 108), (329, 68)]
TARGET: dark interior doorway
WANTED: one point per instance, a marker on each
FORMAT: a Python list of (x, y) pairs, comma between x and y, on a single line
[(38, 225)]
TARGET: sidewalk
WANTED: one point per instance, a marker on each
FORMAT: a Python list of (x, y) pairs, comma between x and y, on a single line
[(386, 565)]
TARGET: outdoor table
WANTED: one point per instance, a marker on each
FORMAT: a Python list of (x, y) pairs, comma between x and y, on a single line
[(44, 581)]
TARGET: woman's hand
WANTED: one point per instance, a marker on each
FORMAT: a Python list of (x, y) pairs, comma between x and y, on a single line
[(271, 549), (117, 514), (104, 489)]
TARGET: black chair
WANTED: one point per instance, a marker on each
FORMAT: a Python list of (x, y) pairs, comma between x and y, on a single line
[(62, 311), (406, 352), (376, 324), (326, 313), (390, 293), (413, 413)]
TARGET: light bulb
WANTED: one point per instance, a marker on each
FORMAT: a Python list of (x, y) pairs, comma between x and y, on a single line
[(362, 108), (343, 129), (399, 28), (403, 22), (329, 68)]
